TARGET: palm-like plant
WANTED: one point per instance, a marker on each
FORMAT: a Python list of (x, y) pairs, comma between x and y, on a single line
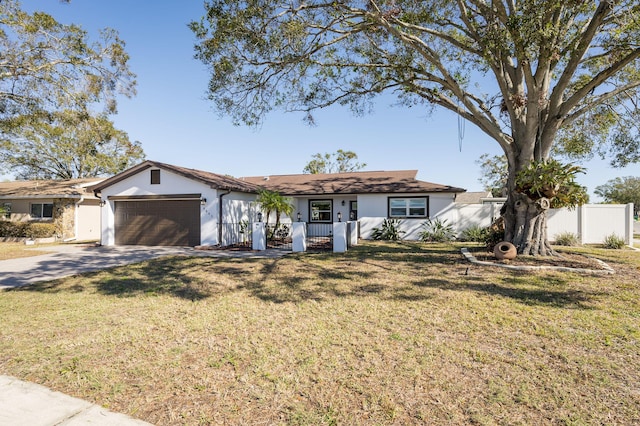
[(272, 201)]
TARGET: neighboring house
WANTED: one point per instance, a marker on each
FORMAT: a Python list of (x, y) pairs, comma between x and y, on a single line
[(67, 203), (482, 197), (368, 197), (160, 204)]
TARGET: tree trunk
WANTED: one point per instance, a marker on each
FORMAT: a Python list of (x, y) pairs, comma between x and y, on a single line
[(526, 224)]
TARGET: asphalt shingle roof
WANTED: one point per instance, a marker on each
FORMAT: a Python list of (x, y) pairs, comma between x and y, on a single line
[(47, 188), (398, 181), (214, 180)]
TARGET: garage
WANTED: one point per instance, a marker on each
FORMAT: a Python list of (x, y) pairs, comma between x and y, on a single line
[(157, 222)]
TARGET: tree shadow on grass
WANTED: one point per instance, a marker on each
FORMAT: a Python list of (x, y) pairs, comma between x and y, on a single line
[(397, 271), (158, 276), (520, 290), (313, 279)]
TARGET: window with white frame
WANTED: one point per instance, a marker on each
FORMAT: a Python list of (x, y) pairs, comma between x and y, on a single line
[(42, 210), (408, 207), (321, 210)]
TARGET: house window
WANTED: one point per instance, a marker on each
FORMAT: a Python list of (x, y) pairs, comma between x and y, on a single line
[(155, 177), (42, 210), (6, 210), (353, 210), (409, 207), (321, 210)]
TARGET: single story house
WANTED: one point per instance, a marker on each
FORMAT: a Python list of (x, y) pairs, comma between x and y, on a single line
[(155, 203), (68, 204), (368, 197), (160, 204)]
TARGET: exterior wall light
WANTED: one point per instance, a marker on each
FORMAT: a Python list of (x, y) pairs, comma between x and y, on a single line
[(203, 201), (299, 217), (259, 216), (102, 203), (339, 216)]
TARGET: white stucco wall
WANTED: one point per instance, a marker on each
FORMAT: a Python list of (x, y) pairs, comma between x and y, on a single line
[(373, 209), (172, 183)]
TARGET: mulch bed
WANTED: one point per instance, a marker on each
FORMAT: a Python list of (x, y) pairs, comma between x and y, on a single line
[(565, 260)]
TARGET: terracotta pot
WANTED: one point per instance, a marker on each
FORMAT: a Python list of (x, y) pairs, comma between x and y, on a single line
[(505, 250)]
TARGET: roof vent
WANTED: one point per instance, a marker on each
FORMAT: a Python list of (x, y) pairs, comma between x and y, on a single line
[(265, 178)]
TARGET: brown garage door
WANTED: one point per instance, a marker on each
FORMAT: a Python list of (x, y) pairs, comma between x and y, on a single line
[(157, 222)]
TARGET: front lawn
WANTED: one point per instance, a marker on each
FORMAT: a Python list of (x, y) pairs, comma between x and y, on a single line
[(387, 333), (17, 250)]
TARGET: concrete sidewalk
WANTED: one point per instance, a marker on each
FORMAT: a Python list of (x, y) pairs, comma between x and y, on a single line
[(29, 404)]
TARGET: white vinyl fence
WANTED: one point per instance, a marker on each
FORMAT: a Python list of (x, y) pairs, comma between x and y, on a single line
[(590, 222)]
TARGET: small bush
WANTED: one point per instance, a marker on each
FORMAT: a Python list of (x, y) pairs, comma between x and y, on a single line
[(436, 230), (40, 230), (475, 233), (567, 239), (495, 234), (26, 229), (388, 231), (613, 242), (13, 229)]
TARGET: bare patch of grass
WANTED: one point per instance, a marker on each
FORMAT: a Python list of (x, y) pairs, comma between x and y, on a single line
[(18, 250), (387, 333)]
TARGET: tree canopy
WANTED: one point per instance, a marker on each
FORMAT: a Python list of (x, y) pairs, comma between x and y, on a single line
[(338, 162), (493, 174), (534, 75), (46, 65), (621, 190), (67, 145), (58, 88)]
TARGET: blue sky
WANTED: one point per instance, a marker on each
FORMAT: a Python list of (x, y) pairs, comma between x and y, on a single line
[(176, 124)]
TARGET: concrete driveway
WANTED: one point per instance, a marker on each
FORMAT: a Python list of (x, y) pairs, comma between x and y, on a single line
[(68, 260)]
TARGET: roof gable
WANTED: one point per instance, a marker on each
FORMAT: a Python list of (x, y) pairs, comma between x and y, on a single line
[(214, 180), (375, 182)]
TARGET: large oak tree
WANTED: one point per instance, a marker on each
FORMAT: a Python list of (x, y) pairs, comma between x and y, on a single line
[(58, 87), (530, 74), (67, 145)]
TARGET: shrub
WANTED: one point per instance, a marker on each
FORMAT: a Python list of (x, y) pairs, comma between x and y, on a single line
[(567, 239), (40, 230), (475, 233), (388, 231), (495, 234), (26, 229), (613, 242), (436, 230), (12, 229)]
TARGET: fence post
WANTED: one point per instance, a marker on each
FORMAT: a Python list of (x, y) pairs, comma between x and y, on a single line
[(259, 236), (352, 233), (582, 223), (339, 237), (299, 237), (629, 224)]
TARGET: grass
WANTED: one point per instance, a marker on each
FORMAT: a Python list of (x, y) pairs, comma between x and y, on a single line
[(17, 250), (387, 333)]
